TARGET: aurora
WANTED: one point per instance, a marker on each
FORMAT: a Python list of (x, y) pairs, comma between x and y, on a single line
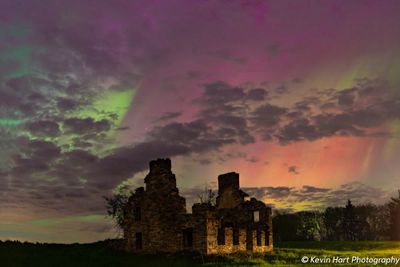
[(301, 98)]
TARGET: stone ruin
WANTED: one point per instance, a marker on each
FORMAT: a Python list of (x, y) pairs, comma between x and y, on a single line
[(159, 221)]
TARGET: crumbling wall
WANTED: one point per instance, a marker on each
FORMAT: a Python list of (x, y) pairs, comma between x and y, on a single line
[(213, 225), (229, 193), (164, 225), (163, 211)]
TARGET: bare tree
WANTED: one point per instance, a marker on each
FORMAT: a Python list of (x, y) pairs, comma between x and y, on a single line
[(207, 196)]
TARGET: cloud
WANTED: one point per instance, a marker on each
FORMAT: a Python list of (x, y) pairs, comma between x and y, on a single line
[(123, 163), (220, 93), (269, 192), (169, 116), (86, 125), (67, 104), (267, 115), (43, 128), (257, 94), (227, 115), (347, 97), (359, 111), (313, 189), (293, 169), (297, 130), (306, 197), (63, 60), (313, 198)]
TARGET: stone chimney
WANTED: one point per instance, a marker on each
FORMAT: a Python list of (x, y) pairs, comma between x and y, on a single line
[(228, 180), (160, 177), (229, 193), (160, 166)]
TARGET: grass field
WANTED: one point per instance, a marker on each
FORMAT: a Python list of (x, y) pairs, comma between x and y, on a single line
[(285, 254)]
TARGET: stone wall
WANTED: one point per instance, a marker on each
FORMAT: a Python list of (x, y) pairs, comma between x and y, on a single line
[(229, 193), (247, 240), (159, 222), (163, 211)]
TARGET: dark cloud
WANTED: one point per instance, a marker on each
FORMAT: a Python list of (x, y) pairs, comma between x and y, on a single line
[(169, 116), (67, 104), (327, 106), (303, 106), (80, 157), (269, 192), (43, 128), (232, 155), (360, 109), (267, 115), (300, 129), (28, 83), (8, 100), (257, 94), (86, 125), (312, 189), (293, 169), (35, 156), (79, 143), (281, 89), (357, 111), (123, 163), (219, 93), (347, 97), (198, 135)]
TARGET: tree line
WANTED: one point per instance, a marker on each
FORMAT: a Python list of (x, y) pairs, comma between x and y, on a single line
[(350, 222)]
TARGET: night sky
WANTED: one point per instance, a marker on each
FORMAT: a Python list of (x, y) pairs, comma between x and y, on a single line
[(301, 98)]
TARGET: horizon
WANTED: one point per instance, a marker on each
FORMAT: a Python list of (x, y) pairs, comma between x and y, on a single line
[(301, 99)]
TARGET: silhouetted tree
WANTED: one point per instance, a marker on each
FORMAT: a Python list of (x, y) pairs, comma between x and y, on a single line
[(285, 227), (120, 209), (310, 226), (394, 208), (361, 222), (372, 222), (208, 197), (333, 221), (350, 222)]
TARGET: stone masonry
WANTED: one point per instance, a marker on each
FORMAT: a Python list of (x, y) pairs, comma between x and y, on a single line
[(159, 222)]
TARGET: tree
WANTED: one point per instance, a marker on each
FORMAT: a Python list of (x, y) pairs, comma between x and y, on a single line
[(207, 196), (350, 222), (333, 221), (119, 206), (394, 209), (285, 226), (310, 226), (372, 222)]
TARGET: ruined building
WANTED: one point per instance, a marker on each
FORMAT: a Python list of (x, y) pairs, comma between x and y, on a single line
[(160, 222)]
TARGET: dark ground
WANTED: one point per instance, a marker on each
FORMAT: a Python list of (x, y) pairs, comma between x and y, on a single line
[(16, 254)]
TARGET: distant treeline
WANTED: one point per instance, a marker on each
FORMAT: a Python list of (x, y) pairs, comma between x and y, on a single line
[(351, 222)]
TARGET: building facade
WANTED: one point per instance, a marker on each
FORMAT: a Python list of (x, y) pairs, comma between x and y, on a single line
[(159, 221)]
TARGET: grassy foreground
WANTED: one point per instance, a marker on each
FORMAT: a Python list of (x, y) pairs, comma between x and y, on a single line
[(14, 254)]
